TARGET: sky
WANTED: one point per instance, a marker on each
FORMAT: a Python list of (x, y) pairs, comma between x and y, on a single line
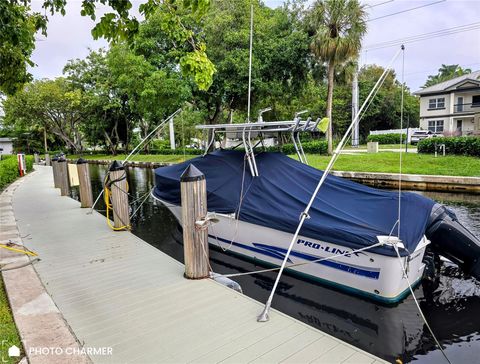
[(69, 37)]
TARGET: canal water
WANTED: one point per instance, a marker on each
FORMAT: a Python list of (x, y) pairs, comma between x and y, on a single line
[(391, 332)]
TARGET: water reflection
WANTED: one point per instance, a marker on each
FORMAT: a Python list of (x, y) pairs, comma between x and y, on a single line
[(391, 332)]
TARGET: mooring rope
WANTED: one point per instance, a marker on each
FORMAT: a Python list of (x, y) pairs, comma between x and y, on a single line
[(418, 305), (303, 263), (146, 196)]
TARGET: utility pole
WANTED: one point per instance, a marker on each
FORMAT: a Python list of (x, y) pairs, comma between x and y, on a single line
[(45, 139), (172, 134), (355, 131)]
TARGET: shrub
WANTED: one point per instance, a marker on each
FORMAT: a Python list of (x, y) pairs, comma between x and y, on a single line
[(313, 147), (178, 151), (386, 138), (9, 169), (468, 145)]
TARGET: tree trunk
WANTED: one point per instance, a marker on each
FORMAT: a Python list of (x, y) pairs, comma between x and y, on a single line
[(331, 74)]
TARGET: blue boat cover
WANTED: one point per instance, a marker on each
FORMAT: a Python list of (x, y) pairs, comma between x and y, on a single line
[(344, 212)]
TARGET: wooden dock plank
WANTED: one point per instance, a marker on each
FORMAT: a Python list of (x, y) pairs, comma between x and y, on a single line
[(117, 291)]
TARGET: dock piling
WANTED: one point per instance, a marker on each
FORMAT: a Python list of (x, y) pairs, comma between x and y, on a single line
[(62, 176), (121, 211), (55, 172), (195, 233), (36, 158), (47, 159), (85, 186)]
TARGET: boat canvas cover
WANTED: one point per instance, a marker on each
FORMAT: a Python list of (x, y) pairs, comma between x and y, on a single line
[(344, 212)]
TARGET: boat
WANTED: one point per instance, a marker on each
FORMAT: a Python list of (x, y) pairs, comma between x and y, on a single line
[(257, 198)]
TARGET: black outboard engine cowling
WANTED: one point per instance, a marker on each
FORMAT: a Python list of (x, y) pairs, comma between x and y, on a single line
[(452, 240)]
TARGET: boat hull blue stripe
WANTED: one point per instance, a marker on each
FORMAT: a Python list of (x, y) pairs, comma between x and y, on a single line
[(277, 253)]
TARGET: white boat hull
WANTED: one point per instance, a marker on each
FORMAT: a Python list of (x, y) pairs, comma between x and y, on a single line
[(373, 275)]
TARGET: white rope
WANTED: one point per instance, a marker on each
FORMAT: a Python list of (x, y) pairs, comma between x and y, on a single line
[(147, 195), (161, 125), (418, 305), (237, 213), (304, 263)]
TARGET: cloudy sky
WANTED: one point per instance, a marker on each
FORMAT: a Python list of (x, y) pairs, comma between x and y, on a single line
[(389, 20)]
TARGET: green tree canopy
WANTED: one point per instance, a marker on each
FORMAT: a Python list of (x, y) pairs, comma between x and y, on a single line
[(49, 104), (18, 25)]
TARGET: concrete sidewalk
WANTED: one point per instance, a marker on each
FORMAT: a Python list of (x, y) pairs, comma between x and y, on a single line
[(120, 294)]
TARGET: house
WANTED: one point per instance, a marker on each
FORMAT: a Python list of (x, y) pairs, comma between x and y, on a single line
[(6, 146), (452, 107)]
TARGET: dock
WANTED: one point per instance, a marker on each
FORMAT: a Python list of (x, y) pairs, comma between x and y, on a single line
[(116, 291)]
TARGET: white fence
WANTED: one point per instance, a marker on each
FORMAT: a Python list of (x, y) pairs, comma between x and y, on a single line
[(396, 131)]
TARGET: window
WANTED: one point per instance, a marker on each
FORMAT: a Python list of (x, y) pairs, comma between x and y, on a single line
[(437, 103), (476, 101), (435, 126)]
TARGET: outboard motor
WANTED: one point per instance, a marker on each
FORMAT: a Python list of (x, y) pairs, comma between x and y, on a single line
[(452, 240)]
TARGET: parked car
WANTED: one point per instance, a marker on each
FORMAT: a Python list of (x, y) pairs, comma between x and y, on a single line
[(420, 135)]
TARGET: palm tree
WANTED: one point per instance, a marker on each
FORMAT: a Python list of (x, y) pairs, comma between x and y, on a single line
[(445, 73), (338, 27)]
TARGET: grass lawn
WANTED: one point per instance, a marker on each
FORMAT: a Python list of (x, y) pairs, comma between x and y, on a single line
[(8, 331), (387, 162)]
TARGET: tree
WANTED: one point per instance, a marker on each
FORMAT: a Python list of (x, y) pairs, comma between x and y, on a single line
[(18, 25), (337, 28), (152, 93), (445, 73), (279, 60), (48, 104), (280, 55), (108, 116), (385, 109)]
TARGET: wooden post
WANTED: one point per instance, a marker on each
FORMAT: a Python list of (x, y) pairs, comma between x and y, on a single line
[(37, 158), (193, 189), (121, 211), (85, 186), (47, 160), (62, 176), (55, 172)]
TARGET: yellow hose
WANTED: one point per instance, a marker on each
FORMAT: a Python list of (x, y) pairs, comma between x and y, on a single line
[(18, 250), (108, 205)]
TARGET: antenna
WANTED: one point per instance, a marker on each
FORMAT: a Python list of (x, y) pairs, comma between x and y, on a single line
[(250, 62)]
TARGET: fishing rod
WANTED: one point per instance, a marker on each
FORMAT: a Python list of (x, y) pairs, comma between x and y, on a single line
[(162, 123)]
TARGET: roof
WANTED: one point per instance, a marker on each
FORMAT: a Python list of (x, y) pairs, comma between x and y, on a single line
[(442, 86), (6, 139)]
